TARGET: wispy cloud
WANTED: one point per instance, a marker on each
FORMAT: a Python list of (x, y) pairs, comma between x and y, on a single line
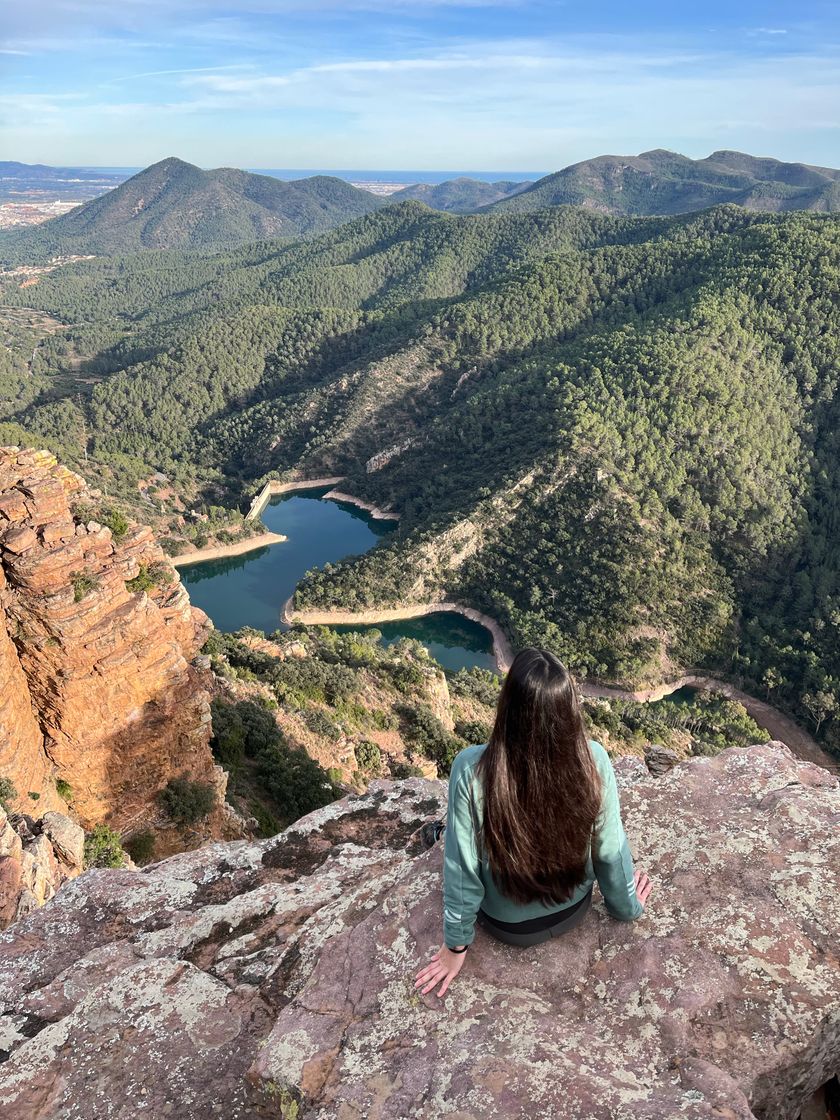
[(419, 82), (178, 70)]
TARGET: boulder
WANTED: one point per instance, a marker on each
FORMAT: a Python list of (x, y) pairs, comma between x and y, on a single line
[(66, 837), (12, 506), (275, 978), (659, 759), (36, 858), (19, 540)]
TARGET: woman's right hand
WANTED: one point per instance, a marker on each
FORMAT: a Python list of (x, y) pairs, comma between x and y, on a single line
[(643, 886)]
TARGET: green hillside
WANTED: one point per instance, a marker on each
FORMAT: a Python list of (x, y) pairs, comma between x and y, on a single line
[(618, 436), (662, 182), (174, 205), (458, 196)]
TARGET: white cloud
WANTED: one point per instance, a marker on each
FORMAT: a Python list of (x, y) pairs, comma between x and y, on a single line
[(514, 104)]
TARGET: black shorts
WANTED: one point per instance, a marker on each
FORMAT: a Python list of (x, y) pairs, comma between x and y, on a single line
[(534, 931)]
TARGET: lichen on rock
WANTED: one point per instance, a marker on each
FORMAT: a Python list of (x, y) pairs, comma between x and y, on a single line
[(277, 974)]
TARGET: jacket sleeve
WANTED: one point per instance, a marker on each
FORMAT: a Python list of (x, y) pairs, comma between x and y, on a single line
[(611, 856), (463, 889)]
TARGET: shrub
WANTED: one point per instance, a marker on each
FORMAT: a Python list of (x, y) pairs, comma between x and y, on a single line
[(405, 676), (473, 730), (141, 846), (320, 723), (115, 520), (173, 546), (64, 789), (187, 802), (8, 793), (149, 576), (294, 781), (405, 770), (242, 729), (422, 728), (103, 848), (385, 721), (478, 684), (368, 757), (83, 583), (267, 823)]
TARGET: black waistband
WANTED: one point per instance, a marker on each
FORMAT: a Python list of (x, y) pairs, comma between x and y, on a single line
[(544, 921)]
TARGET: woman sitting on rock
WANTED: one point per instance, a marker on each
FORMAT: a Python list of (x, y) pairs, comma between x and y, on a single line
[(533, 820)]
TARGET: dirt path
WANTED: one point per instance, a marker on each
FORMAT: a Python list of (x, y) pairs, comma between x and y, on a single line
[(775, 723), (218, 551)]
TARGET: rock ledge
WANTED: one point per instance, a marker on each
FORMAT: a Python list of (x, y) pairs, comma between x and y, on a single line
[(252, 979)]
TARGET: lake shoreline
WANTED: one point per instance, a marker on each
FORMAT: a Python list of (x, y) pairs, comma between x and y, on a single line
[(778, 725), (274, 487), (220, 551), (502, 650), (375, 512)]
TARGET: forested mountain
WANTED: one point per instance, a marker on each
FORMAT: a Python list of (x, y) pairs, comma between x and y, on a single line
[(619, 436), (662, 182), (173, 204), (458, 196)]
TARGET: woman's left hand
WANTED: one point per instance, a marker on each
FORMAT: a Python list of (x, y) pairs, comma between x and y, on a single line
[(444, 966)]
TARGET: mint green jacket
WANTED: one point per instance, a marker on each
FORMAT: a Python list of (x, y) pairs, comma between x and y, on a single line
[(468, 883)]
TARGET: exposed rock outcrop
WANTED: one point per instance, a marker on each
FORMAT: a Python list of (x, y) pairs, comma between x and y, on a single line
[(275, 978), (96, 686), (36, 857)]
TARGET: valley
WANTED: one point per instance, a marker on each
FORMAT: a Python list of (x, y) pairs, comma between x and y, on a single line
[(562, 406)]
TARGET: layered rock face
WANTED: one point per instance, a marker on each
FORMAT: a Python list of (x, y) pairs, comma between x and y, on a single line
[(36, 857), (96, 686), (275, 978)]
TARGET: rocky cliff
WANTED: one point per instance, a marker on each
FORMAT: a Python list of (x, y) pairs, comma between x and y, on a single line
[(36, 858), (274, 978), (97, 634)]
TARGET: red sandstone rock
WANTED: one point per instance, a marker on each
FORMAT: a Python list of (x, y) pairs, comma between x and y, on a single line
[(36, 858), (96, 685), (12, 506), (240, 979), (18, 540), (10, 887)]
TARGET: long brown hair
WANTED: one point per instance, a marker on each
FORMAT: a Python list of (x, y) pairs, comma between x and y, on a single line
[(542, 793)]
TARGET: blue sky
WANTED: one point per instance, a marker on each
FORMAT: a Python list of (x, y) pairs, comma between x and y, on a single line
[(415, 84)]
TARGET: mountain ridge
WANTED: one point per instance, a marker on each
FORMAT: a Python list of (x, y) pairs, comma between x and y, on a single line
[(663, 182), (175, 205)]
